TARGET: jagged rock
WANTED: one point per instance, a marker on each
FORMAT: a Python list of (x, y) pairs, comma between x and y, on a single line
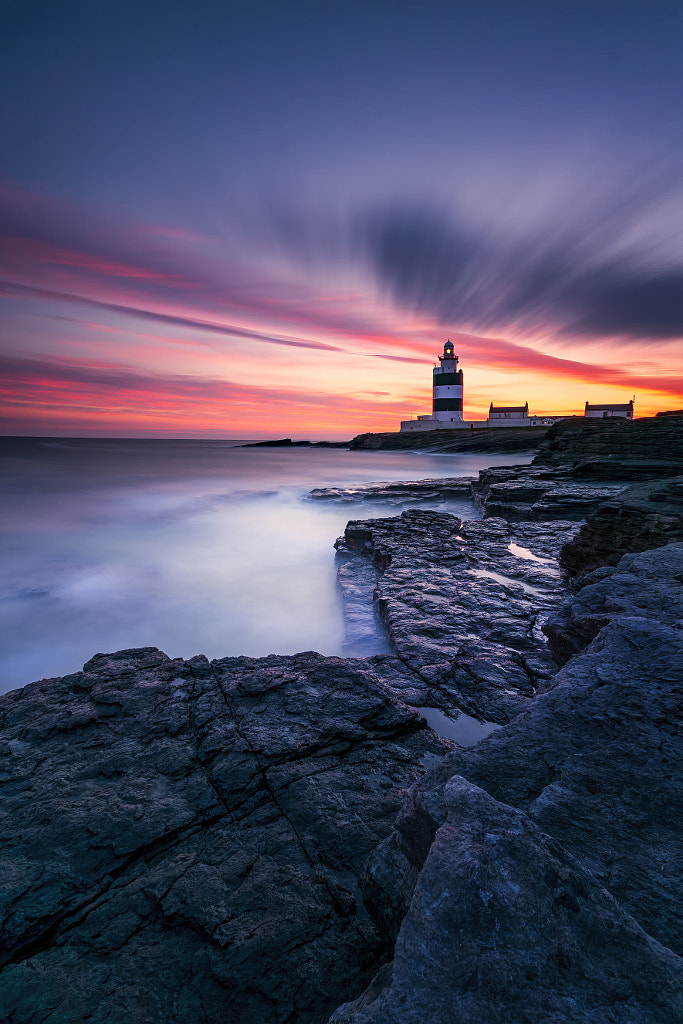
[(594, 764), (504, 925), (530, 493), (647, 584), (461, 609), (181, 841), (619, 518), (195, 842), (615, 448), (643, 517)]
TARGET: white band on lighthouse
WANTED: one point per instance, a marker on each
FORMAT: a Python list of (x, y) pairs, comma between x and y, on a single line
[(448, 387)]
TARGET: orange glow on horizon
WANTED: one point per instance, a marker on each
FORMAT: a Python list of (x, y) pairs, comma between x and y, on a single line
[(113, 345)]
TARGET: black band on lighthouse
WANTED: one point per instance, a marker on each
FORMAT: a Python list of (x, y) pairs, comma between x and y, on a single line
[(447, 404), (442, 379)]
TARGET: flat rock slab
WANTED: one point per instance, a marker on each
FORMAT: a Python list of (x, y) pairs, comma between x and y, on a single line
[(463, 605), (397, 491), (182, 841)]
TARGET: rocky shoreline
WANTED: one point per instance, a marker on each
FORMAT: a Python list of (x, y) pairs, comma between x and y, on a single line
[(286, 840)]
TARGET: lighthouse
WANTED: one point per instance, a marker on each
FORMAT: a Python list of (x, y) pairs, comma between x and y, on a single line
[(447, 400), (447, 404)]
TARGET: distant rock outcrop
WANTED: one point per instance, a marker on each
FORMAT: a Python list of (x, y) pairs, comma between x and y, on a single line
[(479, 439)]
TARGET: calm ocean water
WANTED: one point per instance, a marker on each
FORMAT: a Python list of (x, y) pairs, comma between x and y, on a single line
[(189, 546)]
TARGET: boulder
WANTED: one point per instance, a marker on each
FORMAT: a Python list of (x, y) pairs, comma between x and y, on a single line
[(536, 876)]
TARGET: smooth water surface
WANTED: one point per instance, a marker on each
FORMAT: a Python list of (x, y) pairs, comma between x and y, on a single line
[(464, 730), (189, 546)]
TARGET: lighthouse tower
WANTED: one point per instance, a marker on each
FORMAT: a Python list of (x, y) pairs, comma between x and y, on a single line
[(447, 402)]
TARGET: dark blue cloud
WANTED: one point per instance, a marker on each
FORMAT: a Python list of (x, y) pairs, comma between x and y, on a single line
[(430, 264)]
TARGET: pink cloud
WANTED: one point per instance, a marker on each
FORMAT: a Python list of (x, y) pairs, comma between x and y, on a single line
[(230, 330), (501, 354), (115, 269), (29, 379)]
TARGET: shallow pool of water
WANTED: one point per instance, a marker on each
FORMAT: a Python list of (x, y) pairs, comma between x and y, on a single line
[(464, 730)]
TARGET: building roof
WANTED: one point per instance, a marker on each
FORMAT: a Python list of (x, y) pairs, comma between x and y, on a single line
[(508, 408), (625, 406)]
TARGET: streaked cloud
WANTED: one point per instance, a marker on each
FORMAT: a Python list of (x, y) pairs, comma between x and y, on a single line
[(431, 264), (65, 391), (229, 330)]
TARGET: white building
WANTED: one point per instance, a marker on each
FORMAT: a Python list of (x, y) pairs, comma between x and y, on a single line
[(508, 415), (605, 412), (448, 402)]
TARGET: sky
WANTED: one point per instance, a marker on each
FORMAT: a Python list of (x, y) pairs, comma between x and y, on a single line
[(264, 219)]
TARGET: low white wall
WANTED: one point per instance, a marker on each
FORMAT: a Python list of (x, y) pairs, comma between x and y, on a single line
[(422, 425)]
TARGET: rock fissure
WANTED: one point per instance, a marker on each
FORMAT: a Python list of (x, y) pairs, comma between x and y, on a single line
[(204, 764), (51, 929), (343, 911)]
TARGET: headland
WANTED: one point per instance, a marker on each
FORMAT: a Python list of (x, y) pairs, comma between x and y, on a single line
[(285, 839)]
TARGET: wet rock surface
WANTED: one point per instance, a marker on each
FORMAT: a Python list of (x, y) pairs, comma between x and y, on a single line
[(397, 491), (577, 810), (574, 805), (182, 841), (463, 605)]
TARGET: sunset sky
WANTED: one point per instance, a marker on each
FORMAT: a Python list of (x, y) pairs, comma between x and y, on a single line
[(264, 219)]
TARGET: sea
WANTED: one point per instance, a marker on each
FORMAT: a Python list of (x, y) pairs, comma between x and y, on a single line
[(191, 546)]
